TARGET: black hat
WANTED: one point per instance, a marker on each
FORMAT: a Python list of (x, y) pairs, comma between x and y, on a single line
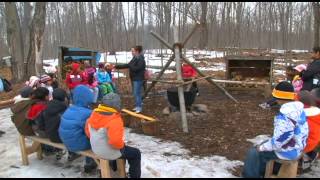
[(26, 92), (59, 94), (284, 90)]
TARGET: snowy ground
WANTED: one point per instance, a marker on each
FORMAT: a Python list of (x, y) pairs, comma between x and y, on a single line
[(159, 159)]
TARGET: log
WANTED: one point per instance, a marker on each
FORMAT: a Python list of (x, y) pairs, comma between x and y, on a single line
[(194, 80), (6, 103), (138, 115)]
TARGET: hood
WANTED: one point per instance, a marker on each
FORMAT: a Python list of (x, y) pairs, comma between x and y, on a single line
[(20, 106), (75, 67), (55, 107), (82, 96), (294, 111), (59, 94), (102, 119)]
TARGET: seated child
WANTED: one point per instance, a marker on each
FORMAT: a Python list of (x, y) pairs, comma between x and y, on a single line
[(49, 120), (297, 81), (19, 111), (289, 136), (73, 120), (106, 132), (46, 81), (33, 82), (313, 119), (40, 97), (294, 76)]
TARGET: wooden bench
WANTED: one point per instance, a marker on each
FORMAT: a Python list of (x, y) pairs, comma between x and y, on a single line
[(288, 169), (36, 148)]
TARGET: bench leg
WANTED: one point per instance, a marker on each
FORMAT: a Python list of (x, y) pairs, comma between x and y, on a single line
[(269, 169), (288, 170), (39, 152), (105, 169), (121, 167), (24, 153)]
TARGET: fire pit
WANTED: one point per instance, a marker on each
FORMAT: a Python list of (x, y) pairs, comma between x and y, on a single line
[(173, 97)]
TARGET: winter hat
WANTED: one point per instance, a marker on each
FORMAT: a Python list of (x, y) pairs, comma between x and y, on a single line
[(51, 69), (26, 92), (59, 94), (284, 90), (45, 78), (306, 98), (300, 67), (33, 81), (112, 100)]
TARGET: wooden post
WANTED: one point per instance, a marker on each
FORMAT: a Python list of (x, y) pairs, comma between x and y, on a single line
[(177, 51), (121, 166), (105, 169)]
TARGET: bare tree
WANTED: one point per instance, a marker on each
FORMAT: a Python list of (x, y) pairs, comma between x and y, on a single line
[(316, 12), (36, 39), (14, 39)]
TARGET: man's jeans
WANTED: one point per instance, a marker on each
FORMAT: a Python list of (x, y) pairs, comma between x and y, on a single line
[(133, 155), (256, 162), (137, 86)]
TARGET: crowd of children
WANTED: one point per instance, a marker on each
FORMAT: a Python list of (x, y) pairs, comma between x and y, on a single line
[(42, 109)]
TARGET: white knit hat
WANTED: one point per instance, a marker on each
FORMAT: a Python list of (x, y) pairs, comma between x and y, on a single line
[(33, 81)]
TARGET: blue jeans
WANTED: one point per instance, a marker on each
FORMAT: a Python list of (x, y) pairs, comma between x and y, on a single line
[(133, 155), (256, 162), (137, 86)]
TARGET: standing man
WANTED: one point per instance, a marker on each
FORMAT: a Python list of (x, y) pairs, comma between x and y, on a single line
[(311, 77), (137, 67)]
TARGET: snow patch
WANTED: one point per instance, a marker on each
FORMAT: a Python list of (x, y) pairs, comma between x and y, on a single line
[(159, 159)]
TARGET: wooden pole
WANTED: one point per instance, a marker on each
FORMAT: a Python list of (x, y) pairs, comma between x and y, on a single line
[(158, 77), (157, 36), (177, 51), (211, 81)]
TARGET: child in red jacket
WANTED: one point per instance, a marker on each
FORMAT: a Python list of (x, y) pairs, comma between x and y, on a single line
[(188, 74), (75, 77)]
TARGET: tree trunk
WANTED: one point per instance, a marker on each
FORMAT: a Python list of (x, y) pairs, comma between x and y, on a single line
[(316, 14), (14, 39), (36, 39), (204, 29)]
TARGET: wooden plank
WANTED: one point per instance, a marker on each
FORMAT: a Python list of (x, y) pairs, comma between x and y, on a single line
[(23, 149), (141, 116), (121, 165), (269, 169), (240, 82), (194, 80), (105, 169)]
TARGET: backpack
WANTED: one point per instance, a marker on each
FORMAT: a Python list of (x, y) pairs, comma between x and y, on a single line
[(6, 85), (106, 89)]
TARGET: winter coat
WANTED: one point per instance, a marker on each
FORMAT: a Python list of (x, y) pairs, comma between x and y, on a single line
[(36, 109), (50, 119), (309, 75), (74, 79), (290, 132), (19, 119), (313, 118), (103, 77), (137, 67), (105, 130), (188, 71), (71, 130)]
